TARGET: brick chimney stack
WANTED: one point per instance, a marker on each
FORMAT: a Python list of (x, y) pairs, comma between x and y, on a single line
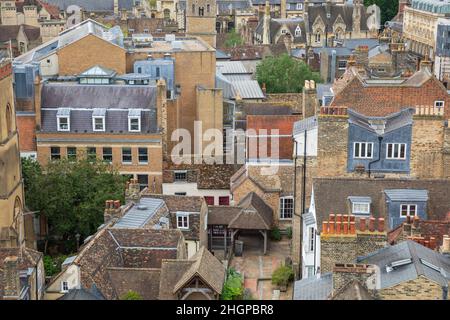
[(445, 248), (112, 210), (11, 280), (132, 192), (362, 57), (310, 103), (344, 273)]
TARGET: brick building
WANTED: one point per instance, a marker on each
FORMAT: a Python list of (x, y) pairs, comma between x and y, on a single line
[(118, 123)]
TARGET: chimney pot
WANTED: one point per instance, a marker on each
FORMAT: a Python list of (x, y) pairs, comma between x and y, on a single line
[(362, 224), (117, 204), (345, 227), (381, 224), (432, 243), (339, 218), (332, 217), (331, 226), (325, 227), (352, 218), (372, 224), (352, 227), (338, 227)]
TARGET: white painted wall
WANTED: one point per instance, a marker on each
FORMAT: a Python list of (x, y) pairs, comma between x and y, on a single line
[(311, 142), (307, 255), (192, 247), (192, 190), (49, 65)]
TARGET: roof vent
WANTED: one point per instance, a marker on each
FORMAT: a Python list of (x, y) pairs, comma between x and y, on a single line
[(142, 207)]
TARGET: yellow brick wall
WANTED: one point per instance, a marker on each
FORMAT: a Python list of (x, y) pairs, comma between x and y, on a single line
[(88, 52), (417, 289)]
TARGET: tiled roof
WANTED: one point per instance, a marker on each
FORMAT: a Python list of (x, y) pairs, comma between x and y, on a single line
[(92, 6), (352, 291), (423, 262), (428, 228), (255, 214), (144, 281), (222, 215), (331, 195)]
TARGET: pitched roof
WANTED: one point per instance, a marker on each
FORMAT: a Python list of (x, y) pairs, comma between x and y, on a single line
[(428, 228), (144, 281), (83, 294), (314, 288), (208, 268), (352, 291), (171, 273), (255, 214), (413, 260), (407, 194), (331, 195), (140, 214), (304, 125), (92, 6), (222, 215)]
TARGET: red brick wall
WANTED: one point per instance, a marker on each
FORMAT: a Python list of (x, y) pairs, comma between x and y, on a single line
[(27, 134)]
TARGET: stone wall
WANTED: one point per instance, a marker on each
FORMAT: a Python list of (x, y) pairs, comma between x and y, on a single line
[(420, 288)]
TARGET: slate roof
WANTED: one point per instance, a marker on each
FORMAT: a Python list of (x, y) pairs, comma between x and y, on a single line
[(140, 214), (407, 195), (11, 32), (92, 6), (83, 294), (393, 121), (304, 125), (231, 67), (314, 288), (331, 195), (421, 258), (82, 100)]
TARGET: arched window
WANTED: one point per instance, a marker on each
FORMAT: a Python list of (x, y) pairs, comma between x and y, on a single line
[(201, 11), (193, 8), (9, 121), (166, 14), (298, 31), (208, 8)]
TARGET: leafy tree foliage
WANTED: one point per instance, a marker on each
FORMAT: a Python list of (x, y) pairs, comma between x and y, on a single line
[(388, 8), (282, 276), (284, 74), (71, 195), (233, 288), (233, 39)]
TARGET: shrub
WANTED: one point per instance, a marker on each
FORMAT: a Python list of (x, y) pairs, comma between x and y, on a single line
[(275, 234), (233, 288), (289, 232), (131, 295), (282, 276), (52, 265)]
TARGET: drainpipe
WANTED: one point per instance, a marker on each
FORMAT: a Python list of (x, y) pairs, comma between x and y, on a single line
[(380, 138)]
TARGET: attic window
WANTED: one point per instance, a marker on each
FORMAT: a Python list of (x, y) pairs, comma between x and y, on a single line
[(134, 120), (299, 6), (396, 264), (360, 205), (63, 119), (182, 220), (98, 120), (298, 31)]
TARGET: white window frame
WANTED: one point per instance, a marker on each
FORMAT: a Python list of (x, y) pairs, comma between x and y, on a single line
[(139, 155), (359, 211), (139, 124), (317, 37), (282, 208), (439, 104), (365, 156), (62, 286), (299, 6), (127, 162), (59, 123), (298, 31), (103, 123), (393, 149), (408, 209), (184, 220)]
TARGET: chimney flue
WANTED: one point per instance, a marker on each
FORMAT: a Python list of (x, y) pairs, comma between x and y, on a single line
[(362, 224), (381, 224), (372, 224)]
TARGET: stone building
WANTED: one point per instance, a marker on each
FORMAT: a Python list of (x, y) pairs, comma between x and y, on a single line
[(201, 20), (420, 21), (15, 229), (322, 25), (119, 123), (19, 39)]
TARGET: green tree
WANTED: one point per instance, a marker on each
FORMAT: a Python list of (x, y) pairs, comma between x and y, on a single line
[(388, 8), (233, 288), (131, 295), (233, 39), (282, 276), (71, 195), (284, 74)]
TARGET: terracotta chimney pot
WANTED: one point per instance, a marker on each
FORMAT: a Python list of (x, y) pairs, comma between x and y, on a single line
[(352, 227), (325, 227), (362, 224), (372, 224), (381, 224)]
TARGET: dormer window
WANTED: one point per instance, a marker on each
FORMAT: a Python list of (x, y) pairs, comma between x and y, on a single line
[(299, 6), (439, 104), (63, 119), (360, 205), (408, 210), (182, 220), (134, 120), (98, 120)]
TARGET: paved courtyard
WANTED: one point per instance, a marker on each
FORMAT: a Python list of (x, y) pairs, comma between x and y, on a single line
[(258, 268)]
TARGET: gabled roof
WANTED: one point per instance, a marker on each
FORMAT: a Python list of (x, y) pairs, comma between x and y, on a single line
[(208, 268), (352, 291), (413, 260), (98, 71), (83, 294), (255, 214), (390, 122)]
